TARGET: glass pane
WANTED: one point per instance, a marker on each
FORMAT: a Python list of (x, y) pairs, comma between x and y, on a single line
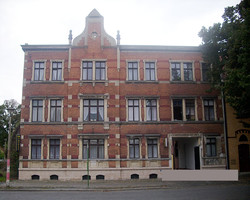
[(130, 74), (213, 150), (93, 152), (52, 114), (38, 152), (86, 102), (40, 103), (101, 113), (59, 74), (103, 74), (155, 151), (154, 114), (101, 102), (136, 114), (131, 151), (41, 75), (130, 114), (58, 114), (84, 153), (137, 151), (147, 74), (89, 71), (84, 74), (93, 113), (135, 77), (136, 141), (93, 102), (34, 114), (40, 114), (101, 152), (208, 150), (86, 114), (136, 102), (130, 102), (98, 74), (57, 152), (36, 75), (149, 113), (150, 151)]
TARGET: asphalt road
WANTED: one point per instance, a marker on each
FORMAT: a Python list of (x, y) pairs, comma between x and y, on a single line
[(239, 192)]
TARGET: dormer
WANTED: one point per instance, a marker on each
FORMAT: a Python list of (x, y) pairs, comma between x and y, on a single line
[(94, 33)]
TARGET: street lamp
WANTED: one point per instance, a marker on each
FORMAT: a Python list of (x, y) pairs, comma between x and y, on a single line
[(10, 110)]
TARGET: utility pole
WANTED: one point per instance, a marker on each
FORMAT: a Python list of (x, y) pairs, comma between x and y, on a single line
[(88, 162), (10, 110)]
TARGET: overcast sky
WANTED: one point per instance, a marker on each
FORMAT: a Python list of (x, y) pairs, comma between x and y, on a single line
[(141, 22)]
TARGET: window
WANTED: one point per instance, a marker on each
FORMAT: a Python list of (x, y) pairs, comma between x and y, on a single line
[(151, 109), (211, 147), (55, 110), (94, 70), (39, 71), (133, 110), (188, 71), (177, 107), (205, 69), (87, 70), (152, 148), (190, 109), (36, 149), (134, 148), (150, 71), (100, 70), (133, 71), (209, 109), (93, 110), (37, 110), (93, 148), (54, 148), (56, 71), (176, 71)]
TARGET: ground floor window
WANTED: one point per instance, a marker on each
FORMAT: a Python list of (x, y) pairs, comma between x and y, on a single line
[(36, 149), (211, 147), (134, 148), (93, 148), (152, 148), (54, 148)]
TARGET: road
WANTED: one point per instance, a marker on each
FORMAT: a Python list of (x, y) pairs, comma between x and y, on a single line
[(230, 192)]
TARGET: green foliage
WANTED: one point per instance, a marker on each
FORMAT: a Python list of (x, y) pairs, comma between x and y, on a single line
[(227, 47)]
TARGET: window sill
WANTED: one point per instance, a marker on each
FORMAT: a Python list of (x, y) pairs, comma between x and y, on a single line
[(182, 82), (141, 82), (46, 82)]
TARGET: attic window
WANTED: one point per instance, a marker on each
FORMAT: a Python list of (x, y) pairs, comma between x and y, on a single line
[(94, 35)]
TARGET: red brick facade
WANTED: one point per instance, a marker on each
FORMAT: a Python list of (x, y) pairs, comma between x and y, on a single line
[(124, 106)]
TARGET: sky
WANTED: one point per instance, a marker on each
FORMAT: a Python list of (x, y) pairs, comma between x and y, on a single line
[(140, 22)]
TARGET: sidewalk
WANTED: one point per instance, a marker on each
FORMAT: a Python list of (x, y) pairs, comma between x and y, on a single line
[(101, 185)]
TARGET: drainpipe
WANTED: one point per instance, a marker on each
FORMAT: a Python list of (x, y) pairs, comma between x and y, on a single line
[(225, 128)]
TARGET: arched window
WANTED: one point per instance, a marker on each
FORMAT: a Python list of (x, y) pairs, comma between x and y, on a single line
[(54, 177), (86, 177), (100, 177), (243, 138), (134, 176), (153, 176), (35, 177)]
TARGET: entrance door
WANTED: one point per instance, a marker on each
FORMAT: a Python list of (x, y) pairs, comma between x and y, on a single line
[(244, 159), (197, 157)]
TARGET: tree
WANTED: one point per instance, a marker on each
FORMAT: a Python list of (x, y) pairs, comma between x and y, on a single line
[(4, 119), (226, 47)]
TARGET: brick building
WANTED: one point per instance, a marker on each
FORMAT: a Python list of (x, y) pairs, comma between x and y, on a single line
[(132, 111)]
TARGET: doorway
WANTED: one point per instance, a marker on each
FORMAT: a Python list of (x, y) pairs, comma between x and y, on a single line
[(186, 153), (244, 160)]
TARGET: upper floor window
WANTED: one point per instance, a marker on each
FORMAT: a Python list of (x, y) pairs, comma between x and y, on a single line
[(55, 110), (54, 148), (93, 148), (39, 69), (211, 147), (150, 71), (133, 110), (133, 74), (134, 148), (93, 110), (209, 109), (100, 70), (184, 109), (36, 149), (151, 109), (94, 70), (182, 71), (37, 110), (56, 71), (205, 69), (188, 71)]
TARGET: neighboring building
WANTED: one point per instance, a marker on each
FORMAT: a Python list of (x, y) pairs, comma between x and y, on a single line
[(134, 111), (238, 142)]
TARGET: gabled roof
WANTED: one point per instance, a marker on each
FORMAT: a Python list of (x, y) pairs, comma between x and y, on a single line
[(94, 13)]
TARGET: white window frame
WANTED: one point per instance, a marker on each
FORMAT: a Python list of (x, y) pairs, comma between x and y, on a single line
[(33, 70), (48, 148), (31, 110), (155, 63), (203, 108), (182, 69), (30, 147), (140, 148), (127, 110), (50, 109), (157, 109), (138, 69), (158, 146), (94, 69), (51, 70), (183, 99)]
